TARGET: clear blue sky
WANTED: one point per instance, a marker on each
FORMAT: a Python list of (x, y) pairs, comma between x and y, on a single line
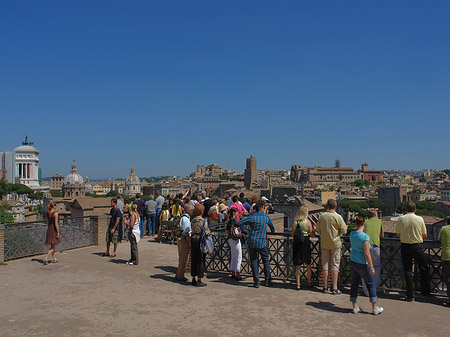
[(164, 85)]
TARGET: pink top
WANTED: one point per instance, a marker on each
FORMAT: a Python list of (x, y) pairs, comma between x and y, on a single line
[(240, 208)]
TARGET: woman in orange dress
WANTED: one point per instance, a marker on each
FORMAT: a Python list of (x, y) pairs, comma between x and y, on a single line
[(52, 238)]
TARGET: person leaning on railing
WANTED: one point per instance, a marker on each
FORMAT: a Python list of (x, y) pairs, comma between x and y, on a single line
[(444, 237), (302, 248), (411, 230), (331, 226), (257, 242), (374, 228)]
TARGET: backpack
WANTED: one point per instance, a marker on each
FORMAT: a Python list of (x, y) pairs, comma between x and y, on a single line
[(176, 228), (206, 244), (298, 234), (235, 232)]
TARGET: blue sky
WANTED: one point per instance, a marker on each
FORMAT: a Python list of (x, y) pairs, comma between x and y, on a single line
[(165, 85)]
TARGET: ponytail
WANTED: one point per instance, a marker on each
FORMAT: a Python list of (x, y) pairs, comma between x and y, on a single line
[(50, 206)]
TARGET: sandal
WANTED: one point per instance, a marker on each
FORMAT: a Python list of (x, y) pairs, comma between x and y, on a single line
[(45, 261), (55, 261), (113, 255), (104, 254)]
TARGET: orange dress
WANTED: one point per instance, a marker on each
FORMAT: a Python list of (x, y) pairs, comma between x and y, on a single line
[(51, 238)]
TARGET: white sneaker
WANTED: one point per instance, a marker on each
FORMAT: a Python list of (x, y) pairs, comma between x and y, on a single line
[(377, 310)]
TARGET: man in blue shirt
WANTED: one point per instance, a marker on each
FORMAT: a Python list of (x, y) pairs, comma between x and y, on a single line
[(258, 223)]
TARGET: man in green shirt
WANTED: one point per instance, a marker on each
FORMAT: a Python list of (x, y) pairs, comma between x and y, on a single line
[(374, 228), (444, 237)]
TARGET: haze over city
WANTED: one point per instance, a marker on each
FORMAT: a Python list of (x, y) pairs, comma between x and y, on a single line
[(165, 86)]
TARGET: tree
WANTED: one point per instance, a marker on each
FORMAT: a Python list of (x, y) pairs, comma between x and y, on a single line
[(36, 196), (6, 216), (56, 193), (21, 189), (112, 194), (5, 188)]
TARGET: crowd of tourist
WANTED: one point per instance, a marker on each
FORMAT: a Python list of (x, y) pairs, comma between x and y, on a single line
[(248, 220)]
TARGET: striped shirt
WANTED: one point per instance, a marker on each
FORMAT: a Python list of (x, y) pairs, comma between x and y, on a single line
[(258, 223)]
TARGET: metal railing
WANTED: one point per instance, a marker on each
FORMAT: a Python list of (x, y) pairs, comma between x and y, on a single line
[(282, 267), (28, 238)]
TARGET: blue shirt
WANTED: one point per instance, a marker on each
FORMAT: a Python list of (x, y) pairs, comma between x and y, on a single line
[(258, 223), (357, 240)]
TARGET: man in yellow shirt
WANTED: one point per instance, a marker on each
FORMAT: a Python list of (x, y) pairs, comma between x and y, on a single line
[(411, 230), (331, 226)]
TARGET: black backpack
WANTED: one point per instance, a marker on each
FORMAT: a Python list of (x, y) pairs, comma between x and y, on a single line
[(298, 233)]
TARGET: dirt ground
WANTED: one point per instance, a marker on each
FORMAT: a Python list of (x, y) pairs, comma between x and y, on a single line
[(89, 295)]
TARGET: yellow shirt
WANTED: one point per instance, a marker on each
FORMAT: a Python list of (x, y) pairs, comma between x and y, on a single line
[(411, 228), (331, 226)]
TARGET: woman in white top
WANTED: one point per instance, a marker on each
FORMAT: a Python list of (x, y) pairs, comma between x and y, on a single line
[(133, 234)]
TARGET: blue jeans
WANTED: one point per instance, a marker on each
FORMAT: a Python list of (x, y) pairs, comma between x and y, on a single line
[(151, 223), (360, 271), (376, 260), (254, 252), (141, 225)]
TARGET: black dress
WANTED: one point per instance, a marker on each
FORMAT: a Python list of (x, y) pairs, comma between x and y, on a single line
[(302, 251)]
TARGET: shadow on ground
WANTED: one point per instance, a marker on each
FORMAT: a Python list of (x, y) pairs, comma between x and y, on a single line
[(327, 306)]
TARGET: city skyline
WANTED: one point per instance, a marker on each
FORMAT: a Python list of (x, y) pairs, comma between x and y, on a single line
[(162, 87)]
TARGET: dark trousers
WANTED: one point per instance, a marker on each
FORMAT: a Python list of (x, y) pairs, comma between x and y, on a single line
[(410, 252), (254, 252), (360, 272), (151, 223), (134, 248), (446, 273), (158, 213), (198, 259)]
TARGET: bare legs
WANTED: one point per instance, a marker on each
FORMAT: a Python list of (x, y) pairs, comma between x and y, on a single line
[(51, 251), (298, 273)]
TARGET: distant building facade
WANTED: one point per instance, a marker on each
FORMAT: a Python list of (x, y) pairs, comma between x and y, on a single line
[(56, 182), (26, 161), (7, 166), (132, 184), (73, 186), (250, 173), (213, 170)]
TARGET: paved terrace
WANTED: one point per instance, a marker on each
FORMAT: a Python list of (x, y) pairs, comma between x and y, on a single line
[(89, 295)]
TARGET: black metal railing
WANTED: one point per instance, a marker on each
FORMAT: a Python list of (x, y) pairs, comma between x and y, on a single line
[(282, 267), (28, 238)]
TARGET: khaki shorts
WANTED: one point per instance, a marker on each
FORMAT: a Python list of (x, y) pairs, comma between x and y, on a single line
[(114, 238), (331, 259)]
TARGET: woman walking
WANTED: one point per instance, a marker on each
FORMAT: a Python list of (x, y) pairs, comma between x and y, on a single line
[(234, 233), (361, 267), (198, 258), (302, 245), (52, 238), (133, 235)]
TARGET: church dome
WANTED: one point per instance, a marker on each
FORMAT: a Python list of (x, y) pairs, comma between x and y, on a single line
[(73, 177), (132, 179)]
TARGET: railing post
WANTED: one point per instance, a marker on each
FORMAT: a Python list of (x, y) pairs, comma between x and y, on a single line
[(100, 227), (2, 243)]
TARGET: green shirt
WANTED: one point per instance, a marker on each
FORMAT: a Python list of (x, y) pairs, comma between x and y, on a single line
[(304, 226), (373, 229), (444, 237)]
